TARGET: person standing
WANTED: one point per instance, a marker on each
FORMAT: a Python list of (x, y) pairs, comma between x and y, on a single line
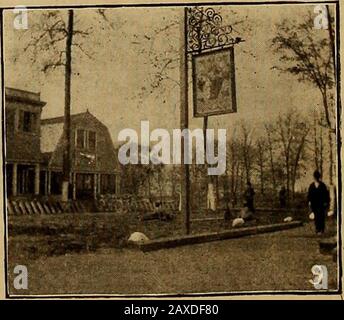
[(211, 201), (283, 197), (319, 201), (249, 197)]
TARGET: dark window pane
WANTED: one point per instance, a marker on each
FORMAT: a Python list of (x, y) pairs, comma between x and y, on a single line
[(92, 140), (27, 121), (26, 124), (10, 118), (33, 121), (80, 138)]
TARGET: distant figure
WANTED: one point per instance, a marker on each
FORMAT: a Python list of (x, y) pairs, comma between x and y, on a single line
[(227, 214), (283, 197), (211, 202), (158, 209), (319, 201), (249, 197)]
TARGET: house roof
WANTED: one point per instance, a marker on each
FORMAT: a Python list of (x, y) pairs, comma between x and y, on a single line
[(33, 98), (73, 118), (52, 129), (50, 136), (52, 146)]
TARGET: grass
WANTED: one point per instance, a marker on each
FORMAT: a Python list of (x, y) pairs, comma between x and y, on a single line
[(276, 261), (86, 253), (33, 236)]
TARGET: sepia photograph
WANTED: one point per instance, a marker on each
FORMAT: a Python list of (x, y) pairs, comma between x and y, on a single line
[(171, 149)]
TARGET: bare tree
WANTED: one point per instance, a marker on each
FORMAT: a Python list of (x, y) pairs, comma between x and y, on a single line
[(270, 149), (247, 149), (261, 160), (53, 38), (164, 63), (309, 55), (233, 167), (291, 131), (316, 146)]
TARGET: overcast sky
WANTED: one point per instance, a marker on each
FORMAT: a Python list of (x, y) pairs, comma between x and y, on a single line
[(110, 85)]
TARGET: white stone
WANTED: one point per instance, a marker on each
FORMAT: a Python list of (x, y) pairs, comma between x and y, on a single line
[(138, 237), (311, 216), (288, 219), (238, 222), (330, 213)]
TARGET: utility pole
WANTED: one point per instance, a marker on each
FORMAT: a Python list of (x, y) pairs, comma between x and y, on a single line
[(184, 121), (66, 127)]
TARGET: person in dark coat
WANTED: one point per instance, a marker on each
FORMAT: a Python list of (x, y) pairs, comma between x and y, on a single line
[(249, 197), (319, 201), (283, 197)]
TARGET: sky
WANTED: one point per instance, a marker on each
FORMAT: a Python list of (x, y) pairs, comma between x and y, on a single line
[(114, 83)]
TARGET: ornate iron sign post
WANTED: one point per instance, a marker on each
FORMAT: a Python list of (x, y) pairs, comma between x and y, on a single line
[(206, 32), (203, 31)]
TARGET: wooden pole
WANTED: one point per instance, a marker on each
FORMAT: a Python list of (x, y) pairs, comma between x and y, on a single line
[(184, 121), (205, 126), (66, 128)]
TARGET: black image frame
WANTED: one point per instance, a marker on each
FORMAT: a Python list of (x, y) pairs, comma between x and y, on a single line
[(183, 295)]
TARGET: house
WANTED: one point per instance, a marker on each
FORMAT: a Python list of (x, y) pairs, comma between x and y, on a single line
[(22, 155), (94, 164)]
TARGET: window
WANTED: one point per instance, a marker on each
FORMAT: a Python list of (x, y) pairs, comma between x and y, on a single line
[(27, 121), (80, 138), (92, 140), (86, 139), (10, 120)]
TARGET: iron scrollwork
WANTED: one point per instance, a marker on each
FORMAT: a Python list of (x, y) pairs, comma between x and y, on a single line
[(205, 30)]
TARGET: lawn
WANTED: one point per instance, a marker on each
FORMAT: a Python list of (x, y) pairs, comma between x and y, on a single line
[(276, 261), (34, 236)]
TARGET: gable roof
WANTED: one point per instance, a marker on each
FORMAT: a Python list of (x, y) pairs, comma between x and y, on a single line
[(73, 118), (52, 129), (52, 144), (50, 136)]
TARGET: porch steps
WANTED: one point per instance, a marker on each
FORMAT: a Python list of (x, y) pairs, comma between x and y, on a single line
[(33, 207)]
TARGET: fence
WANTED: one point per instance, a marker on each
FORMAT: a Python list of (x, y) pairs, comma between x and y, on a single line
[(126, 204), (30, 207)]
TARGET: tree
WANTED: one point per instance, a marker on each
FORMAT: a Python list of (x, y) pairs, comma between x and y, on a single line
[(53, 37), (309, 55), (316, 146), (233, 167), (165, 64), (270, 148), (247, 150), (66, 127), (291, 131), (261, 159)]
